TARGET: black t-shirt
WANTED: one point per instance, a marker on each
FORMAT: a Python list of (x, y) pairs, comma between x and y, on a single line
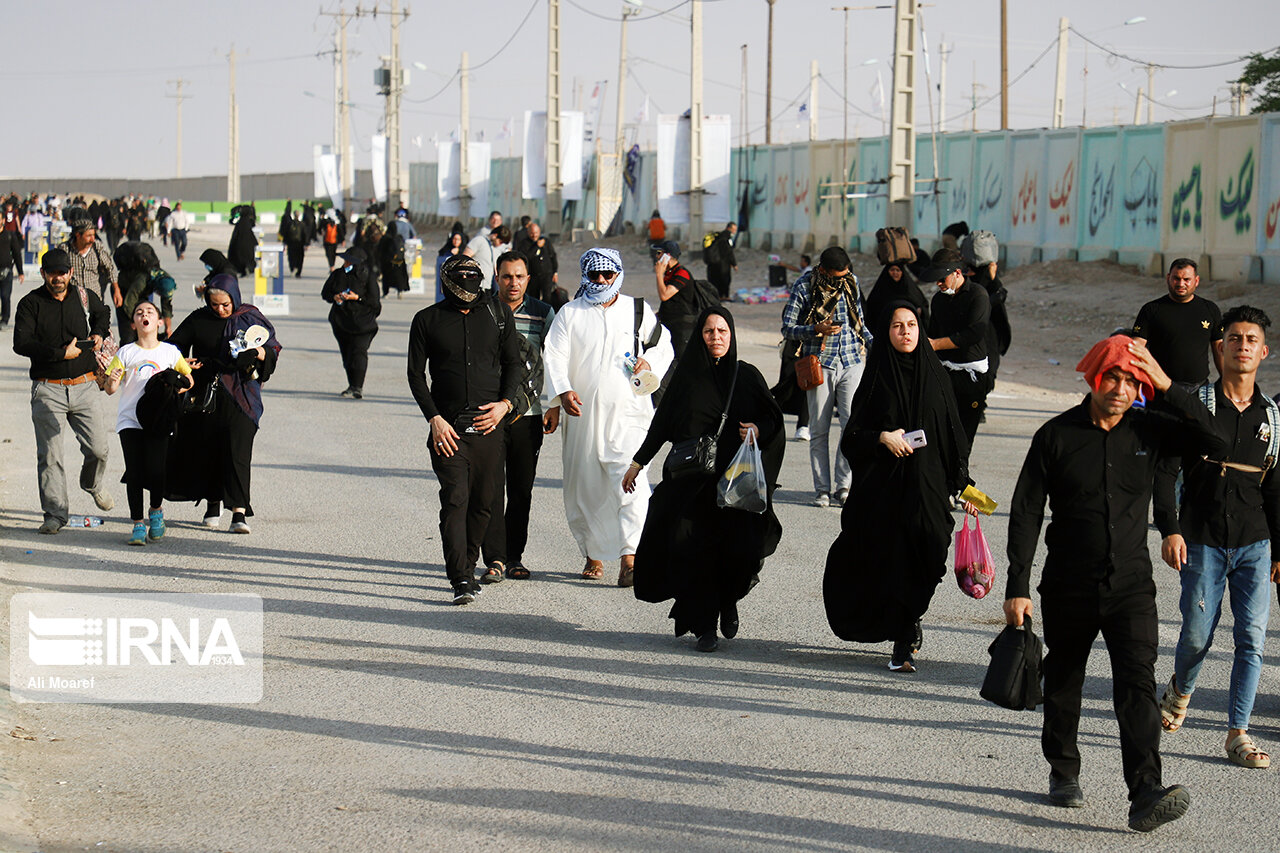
[(1179, 335)]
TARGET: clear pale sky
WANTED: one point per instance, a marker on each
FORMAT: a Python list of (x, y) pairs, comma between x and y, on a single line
[(106, 66)]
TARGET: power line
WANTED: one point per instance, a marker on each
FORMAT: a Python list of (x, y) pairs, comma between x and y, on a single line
[(1050, 46), (851, 104), (582, 8), (505, 45), (1145, 62)]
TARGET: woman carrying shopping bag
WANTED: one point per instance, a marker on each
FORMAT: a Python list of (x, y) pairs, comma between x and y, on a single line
[(909, 456), (707, 557)]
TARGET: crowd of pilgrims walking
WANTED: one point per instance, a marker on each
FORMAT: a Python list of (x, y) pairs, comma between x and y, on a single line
[(506, 356)]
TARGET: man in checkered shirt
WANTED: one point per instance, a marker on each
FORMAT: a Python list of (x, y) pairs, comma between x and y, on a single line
[(91, 264), (824, 314)]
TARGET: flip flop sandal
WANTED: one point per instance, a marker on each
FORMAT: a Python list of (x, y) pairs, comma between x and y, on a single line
[(627, 576), (1244, 752), (517, 572), (593, 571), (493, 574), (1173, 708)]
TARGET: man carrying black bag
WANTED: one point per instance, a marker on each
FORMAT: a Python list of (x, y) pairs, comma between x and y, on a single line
[(1013, 677), (1095, 464)]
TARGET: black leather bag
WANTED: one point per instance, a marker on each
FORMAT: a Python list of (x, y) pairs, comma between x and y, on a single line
[(203, 399), (698, 455), (1013, 676)]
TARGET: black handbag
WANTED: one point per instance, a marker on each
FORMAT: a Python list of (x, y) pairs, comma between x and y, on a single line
[(202, 400), (698, 455), (1013, 677)]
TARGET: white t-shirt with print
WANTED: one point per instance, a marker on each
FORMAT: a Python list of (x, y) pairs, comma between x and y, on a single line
[(139, 366)]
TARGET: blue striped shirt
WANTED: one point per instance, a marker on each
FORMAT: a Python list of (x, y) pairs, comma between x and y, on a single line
[(834, 352), (533, 319)]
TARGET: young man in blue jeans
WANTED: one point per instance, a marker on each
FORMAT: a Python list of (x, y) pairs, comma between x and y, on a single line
[(1222, 537)]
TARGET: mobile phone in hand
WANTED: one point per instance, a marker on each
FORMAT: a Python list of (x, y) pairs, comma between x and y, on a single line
[(915, 438)]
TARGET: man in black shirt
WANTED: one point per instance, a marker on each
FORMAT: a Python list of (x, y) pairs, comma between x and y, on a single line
[(544, 267), (1179, 328), (1095, 463), (958, 318), (59, 333), (474, 362), (1230, 514), (720, 261)]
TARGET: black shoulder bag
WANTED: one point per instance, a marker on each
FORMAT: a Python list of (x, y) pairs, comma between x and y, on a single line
[(698, 455)]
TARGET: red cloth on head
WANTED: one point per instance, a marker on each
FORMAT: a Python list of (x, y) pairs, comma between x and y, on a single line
[(1113, 352)]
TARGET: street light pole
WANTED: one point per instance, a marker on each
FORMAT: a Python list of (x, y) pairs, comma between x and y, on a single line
[(768, 83)]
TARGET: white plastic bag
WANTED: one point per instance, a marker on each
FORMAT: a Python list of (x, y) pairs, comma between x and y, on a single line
[(743, 484)]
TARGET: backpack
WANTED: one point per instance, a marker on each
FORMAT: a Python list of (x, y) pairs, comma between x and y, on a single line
[(893, 246), (397, 248), (1013, 676), (710, 251), (291, 230), (530, 385), (980, 248), (1210, 400)]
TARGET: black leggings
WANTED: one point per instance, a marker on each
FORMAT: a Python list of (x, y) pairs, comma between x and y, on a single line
[(144, 459)]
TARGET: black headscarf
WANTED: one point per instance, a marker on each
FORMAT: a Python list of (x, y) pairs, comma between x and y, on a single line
[(886, 291), (696, 395)]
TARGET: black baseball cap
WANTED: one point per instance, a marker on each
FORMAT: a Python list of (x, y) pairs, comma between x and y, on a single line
[(671, 247), (945, 262), (56, 260)]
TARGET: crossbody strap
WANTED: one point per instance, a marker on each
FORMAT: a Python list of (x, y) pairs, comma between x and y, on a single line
[(724, 416)]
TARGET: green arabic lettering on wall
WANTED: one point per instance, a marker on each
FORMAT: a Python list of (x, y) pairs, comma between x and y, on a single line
[(1233, 202), (826, 187), (1181, 213)]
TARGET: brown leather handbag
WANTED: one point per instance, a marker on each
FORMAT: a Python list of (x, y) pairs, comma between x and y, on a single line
[(808, 372)]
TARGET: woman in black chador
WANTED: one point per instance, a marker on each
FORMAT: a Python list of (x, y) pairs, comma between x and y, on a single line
[(895, 529), (704, 556), (896, 283), (243, 240)]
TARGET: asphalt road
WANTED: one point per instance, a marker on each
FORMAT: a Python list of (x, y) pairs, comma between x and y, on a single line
[(556, 713)]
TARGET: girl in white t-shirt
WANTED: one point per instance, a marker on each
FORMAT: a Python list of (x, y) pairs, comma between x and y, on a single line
[(144, 451)]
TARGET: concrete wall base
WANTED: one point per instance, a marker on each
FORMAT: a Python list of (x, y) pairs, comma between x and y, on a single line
[(1096, 253)]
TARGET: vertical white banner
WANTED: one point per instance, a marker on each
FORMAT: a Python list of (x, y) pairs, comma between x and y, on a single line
[(717, 140), (479, 155), (449, 178), (595, 104), (317, 152), (673, 168), (571, 128), (379, 167), (533, 172), (329, 179)]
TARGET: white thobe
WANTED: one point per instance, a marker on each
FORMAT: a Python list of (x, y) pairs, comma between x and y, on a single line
[(585, 352)]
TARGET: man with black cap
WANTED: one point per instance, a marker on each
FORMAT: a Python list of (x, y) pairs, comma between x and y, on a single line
[(58, 328), (958, 318), (468, 342)]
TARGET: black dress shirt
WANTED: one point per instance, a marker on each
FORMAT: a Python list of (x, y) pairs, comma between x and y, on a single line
[(43, 326), (1098, 483), (471, 363), (963, 318), (1223, 507)]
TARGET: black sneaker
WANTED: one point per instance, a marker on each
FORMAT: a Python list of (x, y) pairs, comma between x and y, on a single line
[(708, 642), (1158, 807), (463, 596), (1066, 793), (729, 620), (917, 642)]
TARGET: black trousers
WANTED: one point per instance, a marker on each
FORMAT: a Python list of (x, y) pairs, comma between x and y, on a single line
[(971, 400), (1127, 622), (179, 241), (295, 252), (144, 458), (331, 253), (720, 279), (355, 356), (468, 481), (509, 531), (6, 294)]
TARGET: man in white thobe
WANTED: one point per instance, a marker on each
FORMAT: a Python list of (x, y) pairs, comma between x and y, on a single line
[(588, 364)]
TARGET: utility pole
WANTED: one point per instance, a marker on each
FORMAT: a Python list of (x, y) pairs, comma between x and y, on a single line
[(620, 147), (902, 138), (395, 159), (973, 100), (1151, 88), (768, 83), (554, 185), (743, 132), (943, 52), (342, 107), (464, 136), (1084, 91), (813, 96), (695, 120), (233, 132), (1060, 82), (180, 98), (1004, 64), (1137, 107)]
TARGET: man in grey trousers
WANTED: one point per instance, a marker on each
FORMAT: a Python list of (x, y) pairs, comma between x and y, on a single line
[(58, 331)]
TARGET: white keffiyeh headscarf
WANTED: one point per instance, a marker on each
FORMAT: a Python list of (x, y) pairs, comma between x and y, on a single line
[(594, 260)]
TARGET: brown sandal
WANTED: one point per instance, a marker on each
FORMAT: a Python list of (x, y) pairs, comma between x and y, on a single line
[(593, 571), (627, 574)]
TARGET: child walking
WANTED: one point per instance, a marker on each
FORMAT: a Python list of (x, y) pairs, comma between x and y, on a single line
[(144, 450)]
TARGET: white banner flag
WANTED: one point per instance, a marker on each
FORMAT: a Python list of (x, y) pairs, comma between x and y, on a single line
[(379, 167), (717, 139), (329, 178), (533, 175), (318, 151), (449, 178), (673, 168)]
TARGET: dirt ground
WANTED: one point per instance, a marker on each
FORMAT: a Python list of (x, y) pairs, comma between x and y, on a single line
[(1057, 310)]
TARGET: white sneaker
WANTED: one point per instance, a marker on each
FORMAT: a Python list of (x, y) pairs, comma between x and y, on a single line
[(841, 496), (822, 500), (213, 521), (802, 433)]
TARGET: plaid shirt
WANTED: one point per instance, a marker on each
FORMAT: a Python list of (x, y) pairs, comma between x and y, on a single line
[(94, 270), (846, 348)]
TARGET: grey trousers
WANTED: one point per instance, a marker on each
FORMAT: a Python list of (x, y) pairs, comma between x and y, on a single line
[(80, 407), (831, 401)]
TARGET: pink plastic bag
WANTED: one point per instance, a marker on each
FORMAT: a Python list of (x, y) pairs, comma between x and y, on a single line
[(975, 570)]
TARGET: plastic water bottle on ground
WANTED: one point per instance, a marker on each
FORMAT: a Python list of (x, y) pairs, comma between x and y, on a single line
[(84, 521)]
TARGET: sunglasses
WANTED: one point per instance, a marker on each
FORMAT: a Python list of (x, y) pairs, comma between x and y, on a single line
[(601, 275)]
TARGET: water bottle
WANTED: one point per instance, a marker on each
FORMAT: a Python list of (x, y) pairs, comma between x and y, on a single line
[(630, 361), (84, 521)]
